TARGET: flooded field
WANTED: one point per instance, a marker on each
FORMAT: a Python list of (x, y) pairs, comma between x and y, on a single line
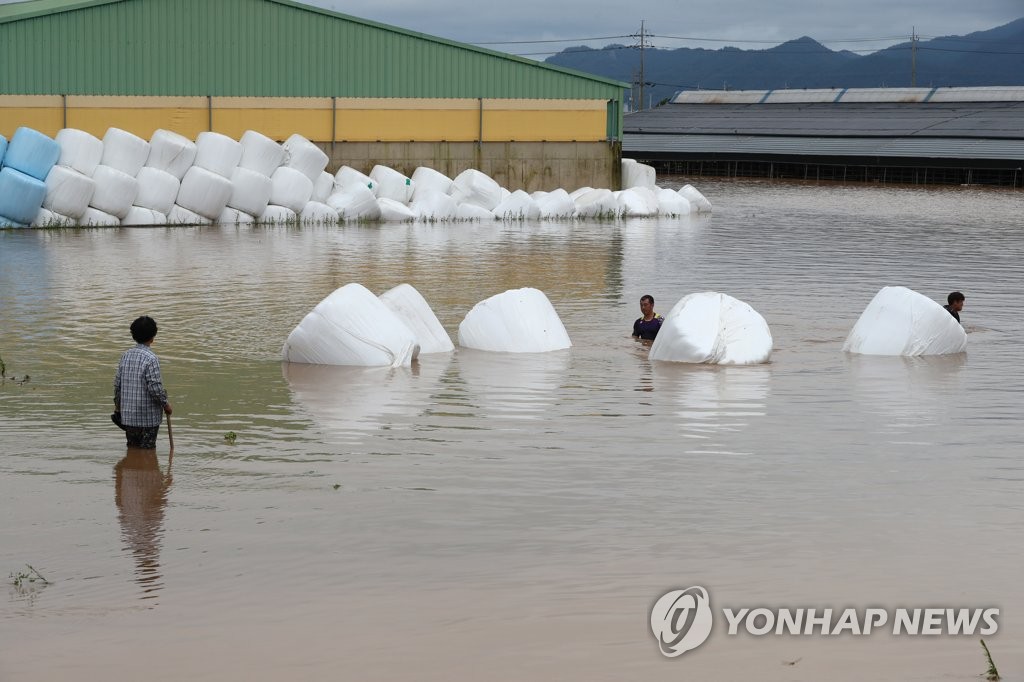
[(504, 517)]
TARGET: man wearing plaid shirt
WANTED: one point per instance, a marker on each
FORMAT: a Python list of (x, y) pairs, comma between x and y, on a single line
[(140, 400)]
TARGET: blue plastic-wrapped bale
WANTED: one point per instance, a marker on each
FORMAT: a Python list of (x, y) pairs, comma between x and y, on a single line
[(3, 147), (4, 222), (32, 153), (21, 196)]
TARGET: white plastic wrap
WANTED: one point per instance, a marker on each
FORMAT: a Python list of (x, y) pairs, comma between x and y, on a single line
[(636, 202), (636, 174), (47, 218), (713, 328), (183, 216), (699, 202), (356, 202), (427, 180), (317, 213), (232, 216), (469, 211), (260, 153), (556, 205), (204, 192), (577, 193), (351, 327), (473, 187), (323, 187), (157, 190), (115, 191), (124, 151), (348, 177), (900, 321), (250, 191), (434, 206), (217, 153), (171, 152), (277, 215), (410, 307), (143, 217), (391, 184), (392, 211), (305, 157), (93, 217), (33, 154), (79, 150), (68, 192), (672, 203), (597, 203), (518, 206), (290, 188), (516, 321)]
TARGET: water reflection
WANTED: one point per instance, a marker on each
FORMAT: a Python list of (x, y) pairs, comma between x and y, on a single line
[(513, 385), (907, 392), (140, 492)]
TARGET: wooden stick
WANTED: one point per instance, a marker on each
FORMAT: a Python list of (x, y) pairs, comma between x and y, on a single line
[(170, 434)]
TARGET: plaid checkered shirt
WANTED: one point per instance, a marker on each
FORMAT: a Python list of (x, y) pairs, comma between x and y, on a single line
[(139, 389)]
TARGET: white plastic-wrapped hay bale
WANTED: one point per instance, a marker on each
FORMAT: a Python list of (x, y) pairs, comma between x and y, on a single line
[(290, 188), (427, 180), (672, 203), (473, 187), (636, 202), (115, 191), (232, 216), (323, 188), (217, 153), (636, 174), (516, 321), (33, 154), (157, 190), (434, 206), (260, 153), (317, 213), (518, 206), (47, 218), (555, 205), (124, 151), (467, 212), (597, 203), (79, 151), (305, 157), (171, 152), (577, 193), (250, 192), (348, 177), (68, 192), (143, 217), (713, 328), (900, 321), (392, 211), (410, 307), (277, 215), (180, 215), (351, 327), (357, 202), (204, 192), (699, 202), (93, 217), (391, 184)]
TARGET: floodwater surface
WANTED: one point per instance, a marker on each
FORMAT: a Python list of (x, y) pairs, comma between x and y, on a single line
[(489, 516)]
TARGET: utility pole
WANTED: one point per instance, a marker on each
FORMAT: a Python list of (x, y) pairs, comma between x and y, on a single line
[(643, 45), (913, 56)]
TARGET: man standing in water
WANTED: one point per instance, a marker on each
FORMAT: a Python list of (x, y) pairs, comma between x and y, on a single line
[(955, 303), (140, 400), (647, 326)]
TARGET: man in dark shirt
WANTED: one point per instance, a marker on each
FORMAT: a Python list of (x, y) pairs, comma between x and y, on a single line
[(647, 326), (955, 303)]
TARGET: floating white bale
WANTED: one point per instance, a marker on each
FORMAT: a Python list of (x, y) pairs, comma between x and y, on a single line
[(900, 321), (305, 157), (323, 188), (636, 174), (469, 211), (392, 211), (699, 202), (410, 307), (204, 192), (93, 217), (348, 177), (576, 194), (597, 203), (357, 202), (260, 153), (79, 151), (217, 153), (157, 190), (124, 151), (516, 321), (47, 218), (391, 184), (33, 154), (518, 206), (143, 217), (232, 216), (68, 192), (713, 328), (473, 187), (277, 215), (115, 191), (555, 205), (290, 188), (427, 180), (672, 203), (636, 202), (250, 191), (433, 206), (171, 152), (351, 327), (180, 215), (317, 213)]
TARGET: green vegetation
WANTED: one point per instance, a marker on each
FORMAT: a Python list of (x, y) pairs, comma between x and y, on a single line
[(3, 368), (992, 674), (31, 576), (230, 437)]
